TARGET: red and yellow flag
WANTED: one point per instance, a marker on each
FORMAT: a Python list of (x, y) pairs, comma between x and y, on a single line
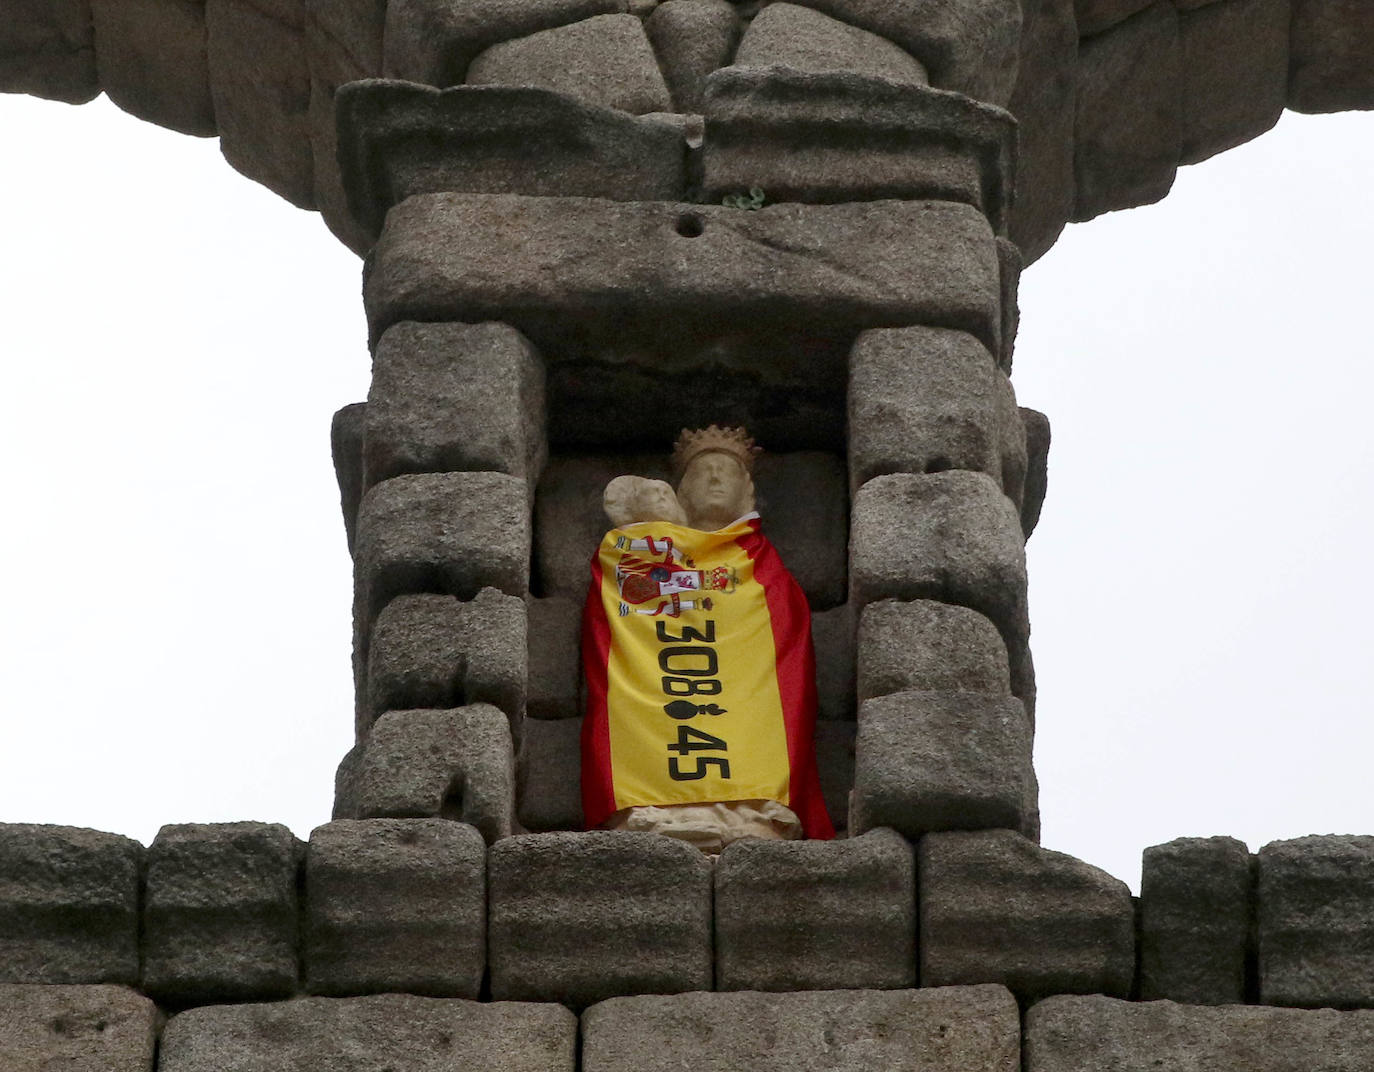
[(701, 676)]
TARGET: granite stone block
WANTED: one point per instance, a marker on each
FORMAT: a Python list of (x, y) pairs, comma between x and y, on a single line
[(928, 761), (993, 907), (927, 646), (433, 41), (1010, 263), (1195, 920), (1095, 16), (964, 1029), (150, 56), (922, 400), (346, 447), (76, 1029), (1037, 427), (1102, 1034), (453, 764), (645, 271), (816, 915), (1128, 131), (365, 1034), (1043, 103), (832, 634), (1235, 73), (579, 917), (1315, 913), (969, 46), (68, 905), (397, 139), (451, 533), (605, 60), (220, 913), (395, 905), (47, 49), (833, 136), (260, 88), (555, 657), (437, 651), (455, 397), (788, 35), (1329, 68), (691, 39), (549, 776), (951, 536)]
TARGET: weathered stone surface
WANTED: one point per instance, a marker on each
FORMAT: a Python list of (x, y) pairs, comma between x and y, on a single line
[(260, 87), (555, 657), (969, 47), (76, 1029), (1331, 43), (849, 921), (951, 1030), (804, 503), (578, 917), (219, 913), (454, 533), (398, 139), (436, 651), (1235, 73), (605, 60), (1128, 131), (400, 1031), (804, 39), (346, 447), (68, 905), (1195, 921), (1043, 103), (832, 633), (928, 761), (1097, 1034), (840, 137), (994, 907), (1095, 16), (801, 497), (433, 41), (395, 905), (549, 776), (455, 397), (455, 764), (928, 646), (835, 764), (692, 38), (643, 272), (47, 49), (1009, 264), (343, 43), (1037, 427), (921, 400), (150, 55), (1314, 908), (1011, 440), (950, 536)]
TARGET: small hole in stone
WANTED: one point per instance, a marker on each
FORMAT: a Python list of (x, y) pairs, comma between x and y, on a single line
[(938, 465), (690, 225)]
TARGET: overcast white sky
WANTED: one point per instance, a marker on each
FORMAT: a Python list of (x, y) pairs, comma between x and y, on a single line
[(175, 645)]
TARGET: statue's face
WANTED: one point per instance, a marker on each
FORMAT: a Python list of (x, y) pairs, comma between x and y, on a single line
[(715, 490), (658, 502)]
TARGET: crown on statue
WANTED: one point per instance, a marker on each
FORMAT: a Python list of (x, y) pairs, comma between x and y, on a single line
[(735, 442)]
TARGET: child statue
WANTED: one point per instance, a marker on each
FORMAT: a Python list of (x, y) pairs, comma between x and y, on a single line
[(701, 694)]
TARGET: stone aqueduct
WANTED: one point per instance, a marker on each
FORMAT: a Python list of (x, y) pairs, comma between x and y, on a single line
[(565, 262)]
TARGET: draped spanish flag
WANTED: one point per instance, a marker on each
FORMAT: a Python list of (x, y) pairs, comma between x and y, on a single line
[(701, 676)]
